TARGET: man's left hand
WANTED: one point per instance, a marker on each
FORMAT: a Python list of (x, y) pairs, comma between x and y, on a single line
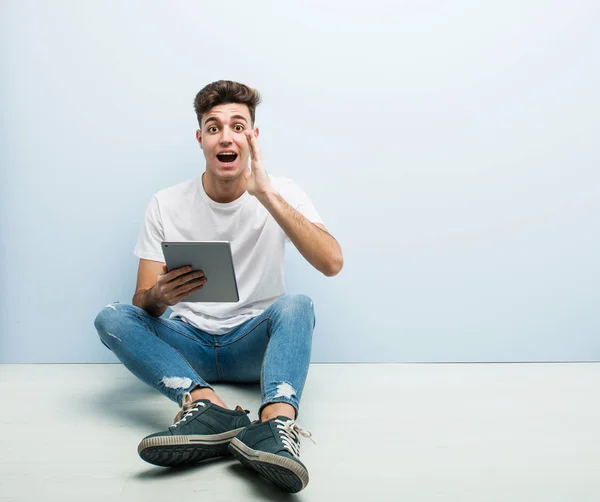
[(258, 182)]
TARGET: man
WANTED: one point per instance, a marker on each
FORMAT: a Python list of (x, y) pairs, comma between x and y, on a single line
[(264, 337)]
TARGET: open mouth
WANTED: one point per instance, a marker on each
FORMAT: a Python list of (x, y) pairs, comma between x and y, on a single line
[(227, 158)]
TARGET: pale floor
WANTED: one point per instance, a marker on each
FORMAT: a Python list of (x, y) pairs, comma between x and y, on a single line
[(397, 432)]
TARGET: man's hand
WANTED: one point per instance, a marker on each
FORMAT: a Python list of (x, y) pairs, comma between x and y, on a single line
[(256, 177), (175, 286), (319, 248)]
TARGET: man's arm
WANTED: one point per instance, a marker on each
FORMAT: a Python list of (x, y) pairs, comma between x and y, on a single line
[(312, 240), (319, 248), (157, 289), (148, 271)]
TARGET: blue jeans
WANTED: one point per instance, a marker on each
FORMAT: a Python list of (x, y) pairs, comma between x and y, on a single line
[(175, 357)]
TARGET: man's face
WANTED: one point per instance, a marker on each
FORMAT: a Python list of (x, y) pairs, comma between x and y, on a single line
[(223, 141)]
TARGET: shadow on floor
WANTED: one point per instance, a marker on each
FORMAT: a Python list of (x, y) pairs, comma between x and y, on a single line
[(133, 403), (130, 402), (156, 472), (260, 487)]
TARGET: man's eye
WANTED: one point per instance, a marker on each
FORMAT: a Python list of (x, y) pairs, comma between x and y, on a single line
[(212, 129), (239, 127)]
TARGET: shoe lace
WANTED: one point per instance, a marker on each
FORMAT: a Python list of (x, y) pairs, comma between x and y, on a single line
[(188, 407), (291, 432)]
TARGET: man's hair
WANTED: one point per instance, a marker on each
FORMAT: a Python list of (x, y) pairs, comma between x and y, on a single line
[(222, 92)]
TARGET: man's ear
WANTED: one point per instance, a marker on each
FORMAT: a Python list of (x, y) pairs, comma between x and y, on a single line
[(199, 137), (256, 131)]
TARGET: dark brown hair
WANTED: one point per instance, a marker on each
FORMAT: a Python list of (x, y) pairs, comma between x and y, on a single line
[(222, 92)]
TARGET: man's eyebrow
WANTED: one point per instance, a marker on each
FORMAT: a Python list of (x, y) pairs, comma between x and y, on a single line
[(214, 119)]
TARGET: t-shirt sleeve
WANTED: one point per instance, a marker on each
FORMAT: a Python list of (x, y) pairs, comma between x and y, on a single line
[(151, 235), (299, 200)]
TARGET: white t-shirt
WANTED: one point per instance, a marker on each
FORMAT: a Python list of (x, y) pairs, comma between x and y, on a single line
[(184, 212)]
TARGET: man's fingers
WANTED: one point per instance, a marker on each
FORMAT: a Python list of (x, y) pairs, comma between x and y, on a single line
[(186, 290), (249, 137), (189, 278), (187, 283), (175, 273), (254, 150)]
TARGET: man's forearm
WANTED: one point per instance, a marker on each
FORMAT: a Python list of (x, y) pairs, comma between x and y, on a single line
[(144, 300), (317, 246)]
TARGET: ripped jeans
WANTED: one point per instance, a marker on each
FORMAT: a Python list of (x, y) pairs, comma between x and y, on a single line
[(175, 357)]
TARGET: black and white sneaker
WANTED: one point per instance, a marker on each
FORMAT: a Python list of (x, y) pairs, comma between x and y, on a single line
[(202, 430), (272, 449)]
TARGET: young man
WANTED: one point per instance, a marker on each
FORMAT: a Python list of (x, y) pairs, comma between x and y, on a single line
[(265, 337)]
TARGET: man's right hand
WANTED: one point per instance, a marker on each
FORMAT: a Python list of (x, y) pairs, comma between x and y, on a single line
[(174, 286)]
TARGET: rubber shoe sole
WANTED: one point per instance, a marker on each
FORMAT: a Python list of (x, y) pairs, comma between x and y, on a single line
[(284, 472), (168, 451)]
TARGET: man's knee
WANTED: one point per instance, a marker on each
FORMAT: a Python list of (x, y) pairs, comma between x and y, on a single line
[(295, 301), (294, 305), (112, 315)]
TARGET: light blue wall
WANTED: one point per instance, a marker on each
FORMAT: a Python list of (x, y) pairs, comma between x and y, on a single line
[(452, 148)]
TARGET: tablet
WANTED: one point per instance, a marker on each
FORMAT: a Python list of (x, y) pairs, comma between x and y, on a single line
[(214, 259)]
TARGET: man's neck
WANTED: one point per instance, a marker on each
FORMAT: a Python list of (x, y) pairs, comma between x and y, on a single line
[(223, 191)]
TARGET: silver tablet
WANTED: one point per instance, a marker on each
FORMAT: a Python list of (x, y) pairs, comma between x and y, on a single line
[(214, 259)]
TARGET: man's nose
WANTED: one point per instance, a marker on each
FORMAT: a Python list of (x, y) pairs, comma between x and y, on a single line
[(225, 136)]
